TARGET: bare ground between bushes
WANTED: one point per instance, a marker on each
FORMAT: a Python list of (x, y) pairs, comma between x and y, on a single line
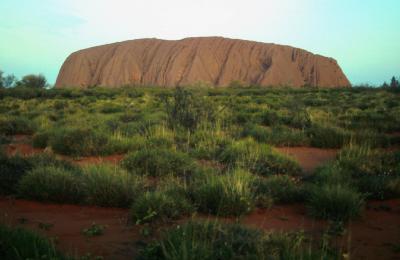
[(309, 158), (374, 236)]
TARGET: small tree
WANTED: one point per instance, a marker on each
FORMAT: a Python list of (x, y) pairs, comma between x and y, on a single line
[(1, 79), (33, 81), (9, 81), (394, 83), (188, 110)]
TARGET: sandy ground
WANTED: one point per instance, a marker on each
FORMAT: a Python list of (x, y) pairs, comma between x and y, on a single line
[(68, 222), (374, 236), (309, 158)]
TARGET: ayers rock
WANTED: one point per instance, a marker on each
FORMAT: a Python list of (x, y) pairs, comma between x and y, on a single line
[(214, 60)]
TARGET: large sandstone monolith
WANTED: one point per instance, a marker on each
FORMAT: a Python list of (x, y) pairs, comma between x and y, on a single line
[(214, 60)]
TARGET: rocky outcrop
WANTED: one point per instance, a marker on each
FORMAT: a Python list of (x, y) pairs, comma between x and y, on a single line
[(214, 60)]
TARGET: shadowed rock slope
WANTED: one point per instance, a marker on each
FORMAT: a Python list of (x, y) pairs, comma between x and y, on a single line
[(214, 60)]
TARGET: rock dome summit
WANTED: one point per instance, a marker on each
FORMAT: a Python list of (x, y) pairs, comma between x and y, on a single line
[(212, 60)]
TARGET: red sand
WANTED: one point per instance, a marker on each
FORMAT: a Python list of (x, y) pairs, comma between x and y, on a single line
[(114, 159), (371, 237), (118, 240), (309, 158), (25, 149), (22, 149)]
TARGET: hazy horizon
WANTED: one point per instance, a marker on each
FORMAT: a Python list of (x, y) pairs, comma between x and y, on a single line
[(361, 35)]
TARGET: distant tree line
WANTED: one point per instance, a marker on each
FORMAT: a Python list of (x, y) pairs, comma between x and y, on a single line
[(30, 81), (394, 83)]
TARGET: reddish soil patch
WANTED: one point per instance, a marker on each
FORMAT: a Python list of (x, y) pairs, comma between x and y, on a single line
[(25, 149), (394, 134), (22, 149), (377, 235), (117, 242), (284, 218), (114, 159), (374, 236), (309, 158)]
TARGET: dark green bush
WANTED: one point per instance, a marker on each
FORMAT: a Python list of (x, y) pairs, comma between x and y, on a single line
[(298, 118), (47, 159), (41, 140), (281, 188), (277, 135), (335, 202), (79, 141), (394, 187), (53, 184), (226, 195), (18, 243), (108, 186), (371, 170), (16, 125), (258, 158), (213, 240), (12, 169), (186, 109), (4, 140), (111, 108), (327, 136), (158, 162), (160, 206), (270, 118)]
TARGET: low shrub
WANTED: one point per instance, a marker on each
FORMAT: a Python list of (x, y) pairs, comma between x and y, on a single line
[(53, 184), (258, 158), (79, 141), (394, 187), (327, 136), (298, 118), (371, 170), (48, 159), (16, 125), (41, 140), (331, 173), (335, 202), (160, 206), (18, 243), (109, 108), (281, 188), (207, 144), (213, 240), (227, 195), (270, 118), (158, 162), (12, 169), (277, 135), (187, 109), (110, 186), (4, 139)]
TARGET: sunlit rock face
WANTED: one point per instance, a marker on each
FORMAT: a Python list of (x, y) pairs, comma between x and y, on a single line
[(215, 61)]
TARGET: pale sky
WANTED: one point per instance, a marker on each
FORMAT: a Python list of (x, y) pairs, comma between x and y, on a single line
[(363, 36)]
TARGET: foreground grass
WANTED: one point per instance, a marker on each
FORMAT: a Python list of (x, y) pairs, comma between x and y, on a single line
[(20, 244), (213, 240)]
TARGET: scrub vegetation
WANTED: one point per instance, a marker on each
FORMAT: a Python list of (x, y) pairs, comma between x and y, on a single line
[(203, 151)]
